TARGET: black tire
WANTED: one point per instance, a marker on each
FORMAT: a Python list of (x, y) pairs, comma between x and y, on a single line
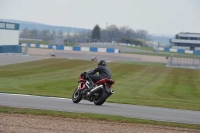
[(77, 96), (103, 96)]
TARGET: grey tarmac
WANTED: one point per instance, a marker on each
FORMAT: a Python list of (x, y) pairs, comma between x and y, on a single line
[(125, 110)]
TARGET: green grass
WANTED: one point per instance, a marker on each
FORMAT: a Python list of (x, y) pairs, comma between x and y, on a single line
[(43, 42), (166, 54), (10, 110), (143, 63), (136, 83), (33, 42), (72, 44), (140, 48), (160, 53)]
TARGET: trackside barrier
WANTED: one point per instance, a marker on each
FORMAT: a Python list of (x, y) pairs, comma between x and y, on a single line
[(121, 44), (12, 54), (179, 51), (181, 62), (74, 48)]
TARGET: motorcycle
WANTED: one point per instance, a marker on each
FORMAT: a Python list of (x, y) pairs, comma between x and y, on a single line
[(94, 92)]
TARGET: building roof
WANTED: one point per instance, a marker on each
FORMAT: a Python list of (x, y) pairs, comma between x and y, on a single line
[(187, 34)]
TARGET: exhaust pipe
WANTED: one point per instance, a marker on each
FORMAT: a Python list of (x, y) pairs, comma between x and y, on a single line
[(111, 92), (96, 89)]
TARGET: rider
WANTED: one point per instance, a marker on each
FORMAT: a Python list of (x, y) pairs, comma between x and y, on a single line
[(104, 72)]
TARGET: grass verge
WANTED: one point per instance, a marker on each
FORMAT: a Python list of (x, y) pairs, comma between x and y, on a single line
[(11, 110), (140, 48), (44, 42), (166, 54), (33, 42), (135, 83)]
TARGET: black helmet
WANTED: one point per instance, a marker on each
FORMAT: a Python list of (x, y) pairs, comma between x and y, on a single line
[(102, 63)]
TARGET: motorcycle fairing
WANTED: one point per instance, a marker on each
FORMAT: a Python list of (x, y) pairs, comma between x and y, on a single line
[(81, 85)]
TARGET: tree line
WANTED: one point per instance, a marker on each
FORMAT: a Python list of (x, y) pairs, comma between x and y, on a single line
[(122, 34), (111, 33), (40, 34)]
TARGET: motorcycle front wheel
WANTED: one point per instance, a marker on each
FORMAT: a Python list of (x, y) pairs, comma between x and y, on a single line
[(77, 96)]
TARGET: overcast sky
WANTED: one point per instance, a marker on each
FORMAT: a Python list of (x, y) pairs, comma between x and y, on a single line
[(155, 16)]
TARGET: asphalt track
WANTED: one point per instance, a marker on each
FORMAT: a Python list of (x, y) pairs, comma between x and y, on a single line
[(5, 60), (81, 55), (122, 48), (130, 111)]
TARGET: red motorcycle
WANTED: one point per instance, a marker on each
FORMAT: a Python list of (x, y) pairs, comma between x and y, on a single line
[(97, 92)]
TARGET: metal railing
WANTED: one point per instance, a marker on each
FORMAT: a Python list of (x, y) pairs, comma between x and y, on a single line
[(183, 62)]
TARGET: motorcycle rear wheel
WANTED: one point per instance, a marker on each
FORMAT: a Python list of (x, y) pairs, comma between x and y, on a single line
[(77, 96), (103, 96)]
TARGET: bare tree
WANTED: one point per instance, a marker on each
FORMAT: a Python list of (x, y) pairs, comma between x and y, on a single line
[(142, 34), (112, 32), (52, 34), (60, 33), (45, 34), (24, 33), (33, 33)]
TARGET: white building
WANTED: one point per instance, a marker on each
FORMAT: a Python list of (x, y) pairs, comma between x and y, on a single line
[(9, 38), (186, 40)]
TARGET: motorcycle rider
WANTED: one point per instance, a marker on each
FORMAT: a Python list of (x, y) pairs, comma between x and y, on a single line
[(104, 72)]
